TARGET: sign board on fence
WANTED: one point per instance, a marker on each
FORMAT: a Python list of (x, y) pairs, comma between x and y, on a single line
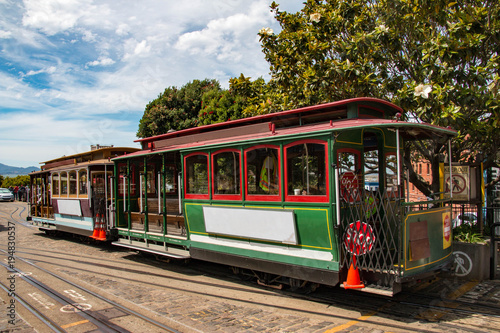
[(459, 183)]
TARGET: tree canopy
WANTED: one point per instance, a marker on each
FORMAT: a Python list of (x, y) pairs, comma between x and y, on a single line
[(175, 108), (14, 181), (438, 60)]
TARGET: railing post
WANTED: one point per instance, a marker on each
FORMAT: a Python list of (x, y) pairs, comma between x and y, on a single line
[(493, 249)]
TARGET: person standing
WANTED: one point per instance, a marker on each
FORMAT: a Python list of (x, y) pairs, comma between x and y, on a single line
[(16, 190), (22, 193)]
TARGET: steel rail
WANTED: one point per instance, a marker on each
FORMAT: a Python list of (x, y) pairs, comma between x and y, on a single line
[(99, 323), (46, 320), (121, 307)]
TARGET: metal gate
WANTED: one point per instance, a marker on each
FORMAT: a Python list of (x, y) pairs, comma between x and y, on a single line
[(371, 233)]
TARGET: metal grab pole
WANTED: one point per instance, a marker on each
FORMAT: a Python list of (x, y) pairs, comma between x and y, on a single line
[(124, 195), (106, 207), (112, 204), (159, 190), (179, 192), (451, 172), (140, 192), (398, 160), (337, 194)]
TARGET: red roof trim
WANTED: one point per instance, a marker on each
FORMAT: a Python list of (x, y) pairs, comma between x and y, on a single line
[(269, 116), (336, 125)]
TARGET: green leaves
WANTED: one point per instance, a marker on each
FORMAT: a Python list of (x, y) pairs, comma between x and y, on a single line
[(175, 109)]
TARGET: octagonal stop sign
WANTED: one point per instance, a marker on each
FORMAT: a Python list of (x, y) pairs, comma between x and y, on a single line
[(359, 238)]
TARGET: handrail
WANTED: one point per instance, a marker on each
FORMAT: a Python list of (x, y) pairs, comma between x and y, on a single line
[(493, 250), (425, 202)]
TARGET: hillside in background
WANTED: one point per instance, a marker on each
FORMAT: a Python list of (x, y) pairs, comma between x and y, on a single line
[(6, 170)]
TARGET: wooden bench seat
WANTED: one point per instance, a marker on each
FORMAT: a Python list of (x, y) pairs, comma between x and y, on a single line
[(175, 223)]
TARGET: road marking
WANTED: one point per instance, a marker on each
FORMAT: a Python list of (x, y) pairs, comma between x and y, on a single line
[(75, 295), (434, 315), (76, 307), (42, 300), (75, 324), (351, 323), (365, 317)]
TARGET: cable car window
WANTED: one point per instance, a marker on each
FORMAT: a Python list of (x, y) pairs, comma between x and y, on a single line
[(72, 183), (306, 169), (124, 174), (262, 171), (196, 168), (148, 182), (226, 173), (55, 185), (170, 185), (371, 162), (82, 182), (391, 173), (64, 183), (348, 162)]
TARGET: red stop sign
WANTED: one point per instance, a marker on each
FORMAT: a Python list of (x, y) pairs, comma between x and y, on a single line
[(447, 227), (359, 238)]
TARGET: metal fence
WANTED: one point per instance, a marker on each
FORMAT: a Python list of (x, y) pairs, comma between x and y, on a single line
[(371, 231)]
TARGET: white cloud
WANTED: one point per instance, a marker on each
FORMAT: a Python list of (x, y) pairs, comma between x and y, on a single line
[(55, 16), (101, 61), (48, 70), (41, 137), (5, 34), (102, 58), (227, 38)]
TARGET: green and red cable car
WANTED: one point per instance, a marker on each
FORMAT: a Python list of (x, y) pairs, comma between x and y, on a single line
[(300, 197)]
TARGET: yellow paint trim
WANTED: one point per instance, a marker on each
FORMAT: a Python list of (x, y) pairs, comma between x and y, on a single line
[(436, 315), (351, 323), (405, 247), (441, 180), (267, 207), (350, 143), (74, 324), (482, 185)]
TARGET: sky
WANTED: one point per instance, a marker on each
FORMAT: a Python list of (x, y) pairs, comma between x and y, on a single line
[(79, 72)]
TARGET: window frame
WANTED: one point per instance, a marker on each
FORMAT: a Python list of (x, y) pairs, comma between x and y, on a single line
[(151, 171), (263, 197), (357, 172), (193, 195), (61, 194), (75, 180), (215, 196), (79, 172), (386, 184), (131, 180), (58, 180), (307, 198)]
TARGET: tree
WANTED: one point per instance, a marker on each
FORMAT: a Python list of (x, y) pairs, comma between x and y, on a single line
[(437, 59), (175, 109), (16, 181), (219, 106)]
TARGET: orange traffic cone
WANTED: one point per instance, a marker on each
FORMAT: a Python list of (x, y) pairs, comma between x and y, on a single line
[(102, 230), (95, 234), (353, 280)]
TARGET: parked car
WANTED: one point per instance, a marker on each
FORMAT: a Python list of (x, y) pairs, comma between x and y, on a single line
[(6, 195), (465, 218)]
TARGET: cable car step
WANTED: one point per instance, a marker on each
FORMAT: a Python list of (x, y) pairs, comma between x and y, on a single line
[(155, 249)]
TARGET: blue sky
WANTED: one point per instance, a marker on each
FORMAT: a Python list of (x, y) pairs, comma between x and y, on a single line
[(80, 72)]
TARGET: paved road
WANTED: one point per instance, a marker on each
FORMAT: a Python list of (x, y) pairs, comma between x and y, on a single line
[(199, 297)]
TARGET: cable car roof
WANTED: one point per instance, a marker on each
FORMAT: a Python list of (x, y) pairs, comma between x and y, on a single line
[(265, 131)]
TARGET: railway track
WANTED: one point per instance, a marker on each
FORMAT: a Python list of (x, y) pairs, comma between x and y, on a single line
[(201, 280), (70, 301)]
